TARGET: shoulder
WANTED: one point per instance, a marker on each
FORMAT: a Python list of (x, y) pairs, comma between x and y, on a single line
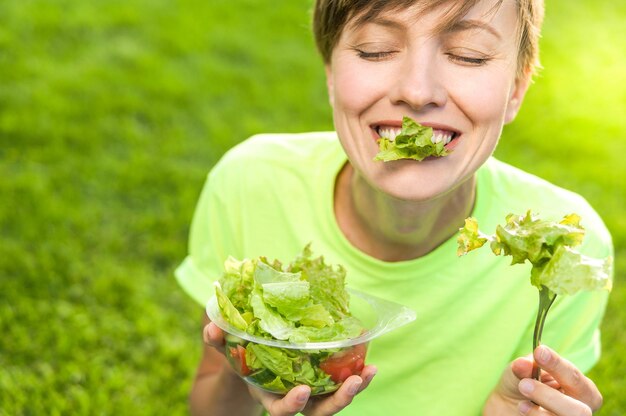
[(272, 159), (280, 147), (505, 178), (511, 185), (518, 191)]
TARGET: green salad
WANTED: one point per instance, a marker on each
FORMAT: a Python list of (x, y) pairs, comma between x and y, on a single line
[(303, 302), (413, 142), (557, 268)]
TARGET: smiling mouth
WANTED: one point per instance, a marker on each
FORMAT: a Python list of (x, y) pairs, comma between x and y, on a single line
[(439, 135)]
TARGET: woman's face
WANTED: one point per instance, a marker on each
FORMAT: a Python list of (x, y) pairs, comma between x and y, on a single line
[(460, 82)]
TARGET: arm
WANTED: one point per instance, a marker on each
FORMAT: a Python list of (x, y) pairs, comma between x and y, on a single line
[(217, 390), (563, 390)]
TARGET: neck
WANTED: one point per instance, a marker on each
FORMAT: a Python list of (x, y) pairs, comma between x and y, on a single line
[(392, 229)]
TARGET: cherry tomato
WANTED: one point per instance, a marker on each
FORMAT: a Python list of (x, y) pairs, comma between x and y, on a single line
[(238, 356), (345, 363)]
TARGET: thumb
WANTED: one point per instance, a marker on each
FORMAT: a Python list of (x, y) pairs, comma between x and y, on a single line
[(522, 367), (516, 371), (288, 405)]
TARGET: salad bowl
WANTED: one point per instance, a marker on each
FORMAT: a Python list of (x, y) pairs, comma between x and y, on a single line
[(279, 365)]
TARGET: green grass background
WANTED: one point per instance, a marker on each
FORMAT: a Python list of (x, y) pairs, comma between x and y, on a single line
[(111, 114)]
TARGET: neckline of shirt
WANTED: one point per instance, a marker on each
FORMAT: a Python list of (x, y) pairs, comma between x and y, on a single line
[(440, 257)]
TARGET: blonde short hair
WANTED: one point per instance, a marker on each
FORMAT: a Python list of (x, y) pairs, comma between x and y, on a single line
[(330, 17)]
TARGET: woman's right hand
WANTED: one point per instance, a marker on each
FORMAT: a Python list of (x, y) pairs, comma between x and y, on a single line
[(562, 391), (298, 399)]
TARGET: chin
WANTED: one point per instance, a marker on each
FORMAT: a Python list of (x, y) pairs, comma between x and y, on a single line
[(415, 188)]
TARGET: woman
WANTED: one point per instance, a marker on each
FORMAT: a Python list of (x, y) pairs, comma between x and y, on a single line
[(463, 69)]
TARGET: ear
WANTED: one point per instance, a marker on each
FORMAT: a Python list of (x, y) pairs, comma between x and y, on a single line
[(517, 97), (329, 84)]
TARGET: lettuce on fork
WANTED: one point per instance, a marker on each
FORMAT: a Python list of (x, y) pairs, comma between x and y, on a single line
[(557, 268), (413, 142)]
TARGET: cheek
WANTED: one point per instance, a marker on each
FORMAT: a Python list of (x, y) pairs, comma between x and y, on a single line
[(483, 98), (355, 90)]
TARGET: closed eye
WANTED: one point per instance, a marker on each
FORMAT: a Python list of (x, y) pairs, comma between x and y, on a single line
[(468, 60), (374, 56)]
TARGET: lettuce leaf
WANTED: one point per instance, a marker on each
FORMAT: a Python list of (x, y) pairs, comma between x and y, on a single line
[(269, 321), (303, 302), (274, 359), (280, 369), (567, 272), (470, 238), (327, 283), (264, 273), (528, 238), (229, 311), (548, 246), (238, 281), (557, 269), (348, 327), (413, 142)]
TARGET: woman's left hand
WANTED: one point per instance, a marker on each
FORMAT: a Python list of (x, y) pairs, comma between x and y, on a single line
[(298, 400), (563, 391)]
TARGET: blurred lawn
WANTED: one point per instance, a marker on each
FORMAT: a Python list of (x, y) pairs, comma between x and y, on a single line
[(111, 114)]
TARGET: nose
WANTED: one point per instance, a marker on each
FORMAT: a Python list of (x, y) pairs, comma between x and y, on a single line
[(419, 82)]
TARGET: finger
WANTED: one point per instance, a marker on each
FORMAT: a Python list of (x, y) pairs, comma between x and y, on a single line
[(511, 376), (552, 400), (548, 380), (292, 403), (572, 380), (522, 368), (368, 373), (530, 409), (338, 400), (213, 335)]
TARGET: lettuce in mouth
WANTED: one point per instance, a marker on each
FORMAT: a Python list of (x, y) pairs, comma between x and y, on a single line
[(413, 142), (557, 268), (303, 302)]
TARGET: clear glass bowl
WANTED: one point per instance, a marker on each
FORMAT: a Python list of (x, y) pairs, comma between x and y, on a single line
[(321, 365)]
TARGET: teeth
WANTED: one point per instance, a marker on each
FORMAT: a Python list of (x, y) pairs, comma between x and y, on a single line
[(389, 133), (442, 137), (438, 136)]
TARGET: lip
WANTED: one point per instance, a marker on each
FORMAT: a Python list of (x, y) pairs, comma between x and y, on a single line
[(433, 125)]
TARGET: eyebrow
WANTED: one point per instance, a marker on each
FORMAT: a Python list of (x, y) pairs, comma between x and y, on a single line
[(458, 26), (470, 24), (382, 21)]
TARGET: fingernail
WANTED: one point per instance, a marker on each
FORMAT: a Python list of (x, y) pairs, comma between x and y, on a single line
[(354, 389), (524, 407), (370, 377), (544, 354), (303, 396), (210, 331), (526, 386)]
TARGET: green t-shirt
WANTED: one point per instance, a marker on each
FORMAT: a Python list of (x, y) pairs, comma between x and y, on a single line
[(273, 194)]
